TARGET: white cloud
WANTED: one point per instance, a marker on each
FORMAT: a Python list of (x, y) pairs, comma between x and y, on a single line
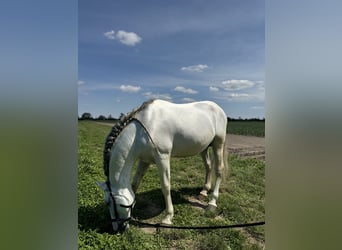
[(130, 88), (188, 99), (239, 91), (150, 95), (239, 96), (237, 84), (195, 68), (80, 82), (246, 97), (127, 38), (110, 34), (213, 89), (185, 90)]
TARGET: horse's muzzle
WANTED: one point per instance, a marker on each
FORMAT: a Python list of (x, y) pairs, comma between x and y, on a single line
[(120, 227)]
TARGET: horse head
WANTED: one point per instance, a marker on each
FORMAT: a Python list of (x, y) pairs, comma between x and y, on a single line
[(120, 207)]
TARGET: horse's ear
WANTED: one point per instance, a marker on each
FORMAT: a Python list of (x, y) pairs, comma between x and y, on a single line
[(102, 185)]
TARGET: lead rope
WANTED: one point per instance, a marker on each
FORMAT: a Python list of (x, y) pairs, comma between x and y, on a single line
[(158, 225), (148, 134)]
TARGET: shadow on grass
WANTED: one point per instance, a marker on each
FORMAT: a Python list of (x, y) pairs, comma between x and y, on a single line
[(94, 218), (149, 205)]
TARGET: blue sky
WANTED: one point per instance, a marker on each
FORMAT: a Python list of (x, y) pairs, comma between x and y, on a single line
[(182, 51)]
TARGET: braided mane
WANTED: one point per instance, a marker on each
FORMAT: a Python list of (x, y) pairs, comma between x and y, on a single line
[(123, 121)]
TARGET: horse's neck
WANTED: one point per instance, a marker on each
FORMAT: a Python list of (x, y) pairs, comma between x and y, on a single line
[(123, 158)]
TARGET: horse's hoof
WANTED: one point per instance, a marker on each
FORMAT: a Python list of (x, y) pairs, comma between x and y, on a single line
[(211, 208), (166, 221), (211, 211)]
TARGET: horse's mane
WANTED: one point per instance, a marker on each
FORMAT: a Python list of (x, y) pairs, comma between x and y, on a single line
[(122, 122)]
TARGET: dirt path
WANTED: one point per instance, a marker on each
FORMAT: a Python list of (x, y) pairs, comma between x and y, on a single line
[(246, 146)]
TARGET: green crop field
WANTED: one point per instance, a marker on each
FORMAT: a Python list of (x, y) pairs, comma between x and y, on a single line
[(242, 198), (253, 128)]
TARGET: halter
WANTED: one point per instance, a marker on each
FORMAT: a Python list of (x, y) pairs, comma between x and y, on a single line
[(117, 219)]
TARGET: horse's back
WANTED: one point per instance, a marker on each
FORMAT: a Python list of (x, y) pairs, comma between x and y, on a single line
[(183, 129)]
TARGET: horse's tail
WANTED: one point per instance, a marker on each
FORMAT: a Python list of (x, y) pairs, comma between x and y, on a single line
[(225, 159), (224, 172)]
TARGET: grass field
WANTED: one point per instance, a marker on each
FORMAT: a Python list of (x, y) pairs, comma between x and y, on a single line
[(242, 198)]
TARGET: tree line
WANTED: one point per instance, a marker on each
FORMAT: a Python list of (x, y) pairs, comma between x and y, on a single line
[(88, 116), (246, 119)]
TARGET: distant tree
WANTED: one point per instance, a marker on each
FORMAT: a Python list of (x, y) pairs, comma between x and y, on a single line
[(101, 117), (86, 116)]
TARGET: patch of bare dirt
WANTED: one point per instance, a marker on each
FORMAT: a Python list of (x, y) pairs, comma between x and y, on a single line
[(246, 146)]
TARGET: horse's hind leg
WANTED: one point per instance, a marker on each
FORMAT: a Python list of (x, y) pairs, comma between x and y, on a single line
[(206, 160), (218, 148), (139, 174)]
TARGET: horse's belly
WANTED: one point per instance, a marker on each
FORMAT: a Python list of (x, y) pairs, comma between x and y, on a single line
[(177, 152), (189, 146)]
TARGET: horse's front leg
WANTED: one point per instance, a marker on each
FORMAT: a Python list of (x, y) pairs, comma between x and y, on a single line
[(163, 164), (139, 174)]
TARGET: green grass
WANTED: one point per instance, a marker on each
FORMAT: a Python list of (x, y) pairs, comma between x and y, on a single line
[(253, 128), (242, 197)]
